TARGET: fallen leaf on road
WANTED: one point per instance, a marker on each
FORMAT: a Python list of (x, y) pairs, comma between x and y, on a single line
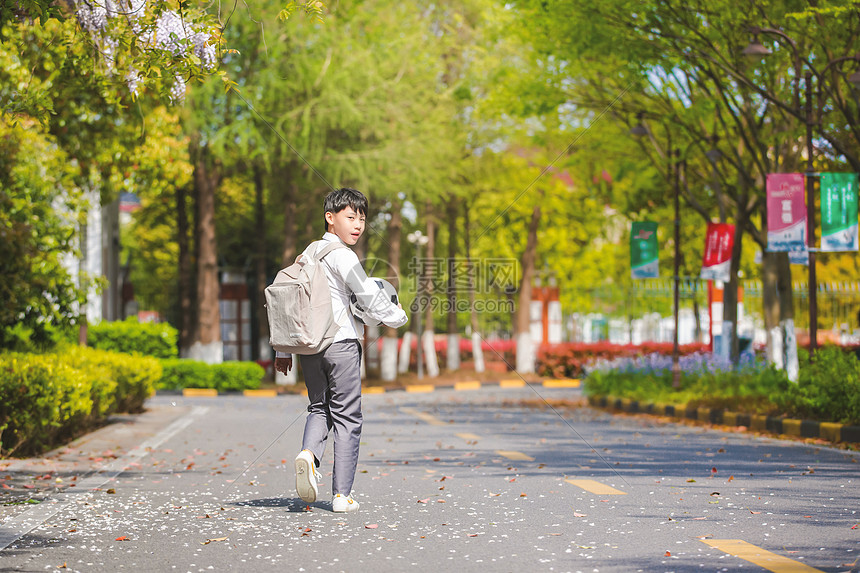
[(208, 541), (424, 500), (123, 538), (522, 495), (731, 478), (755, 512), (668, 554), (691, 480), (371, 526), (577, 514), (494, 494)]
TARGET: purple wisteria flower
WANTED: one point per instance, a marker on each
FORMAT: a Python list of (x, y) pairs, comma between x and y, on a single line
[(659, 364)]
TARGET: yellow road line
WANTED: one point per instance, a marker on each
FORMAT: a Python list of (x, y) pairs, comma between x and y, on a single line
[(467, 385), (595, 487), (759, 556), (199, 392), (511, 455), (512, 383), (420, 388), (429, 418), (373, 390), (467, 436), (261, 393), (561, 383)]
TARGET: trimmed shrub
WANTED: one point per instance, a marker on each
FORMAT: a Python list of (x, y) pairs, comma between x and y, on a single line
[(237, 376), (179, 373), (828, 387), (135, 377), (43, 400), (131, 336)]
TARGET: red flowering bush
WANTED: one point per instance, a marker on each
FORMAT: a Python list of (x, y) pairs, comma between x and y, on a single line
[(568, 360)]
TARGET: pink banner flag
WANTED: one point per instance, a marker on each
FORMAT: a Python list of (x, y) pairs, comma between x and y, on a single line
[(786, 212)]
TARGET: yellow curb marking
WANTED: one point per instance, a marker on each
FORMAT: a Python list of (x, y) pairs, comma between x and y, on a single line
[(429, 418), (373, 390), (261, 393), (199, 392), (467, 436), (830, 431), (511, 455), (791, 427), (467, 385), (759, 556), (561, 383), (420, 388), (595, 487), (512, 383)]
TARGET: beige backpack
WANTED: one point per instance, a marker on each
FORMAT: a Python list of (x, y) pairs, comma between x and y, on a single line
[(298, 304)]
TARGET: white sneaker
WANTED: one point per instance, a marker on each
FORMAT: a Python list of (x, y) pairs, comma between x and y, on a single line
[(343, 503), (307, 477)]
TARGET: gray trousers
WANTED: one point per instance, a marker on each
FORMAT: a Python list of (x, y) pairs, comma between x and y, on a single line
[(333, 378)]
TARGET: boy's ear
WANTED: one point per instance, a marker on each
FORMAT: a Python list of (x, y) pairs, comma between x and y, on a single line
[(329, 217)]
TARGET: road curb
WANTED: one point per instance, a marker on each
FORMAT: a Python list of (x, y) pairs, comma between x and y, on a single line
[(832, 432), (459, 386)]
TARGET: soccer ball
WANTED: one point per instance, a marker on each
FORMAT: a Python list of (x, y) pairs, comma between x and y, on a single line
[(386, 291)]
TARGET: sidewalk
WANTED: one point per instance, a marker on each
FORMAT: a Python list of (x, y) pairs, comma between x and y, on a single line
[(28, 481)]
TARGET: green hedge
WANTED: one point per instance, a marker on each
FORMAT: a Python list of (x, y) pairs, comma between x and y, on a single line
[(828, 389), (135, 376), (131, 336), (49, 398), (180, 373)]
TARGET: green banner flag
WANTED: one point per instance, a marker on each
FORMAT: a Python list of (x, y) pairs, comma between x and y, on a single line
[(838, 211), (643, 250)]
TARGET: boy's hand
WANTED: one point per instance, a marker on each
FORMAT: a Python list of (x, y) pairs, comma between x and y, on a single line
[(284, 364)]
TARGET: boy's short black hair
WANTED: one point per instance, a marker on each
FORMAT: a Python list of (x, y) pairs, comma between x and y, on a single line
[(340, 199)]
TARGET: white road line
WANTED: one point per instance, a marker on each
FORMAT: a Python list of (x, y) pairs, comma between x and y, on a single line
[(24, 523)]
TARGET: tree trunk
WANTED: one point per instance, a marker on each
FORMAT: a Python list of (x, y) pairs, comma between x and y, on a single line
[(730, 296), (207, 345), (786, 316), (429, 338), (477, 351), (264, 351), (288, 254), (388, 360), (770, 302), (186, 293), (453, 352), (525, 347)]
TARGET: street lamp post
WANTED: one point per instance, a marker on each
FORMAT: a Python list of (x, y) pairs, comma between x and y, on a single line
[(676, 351), (418, 239), (674, 164), (756, 50)]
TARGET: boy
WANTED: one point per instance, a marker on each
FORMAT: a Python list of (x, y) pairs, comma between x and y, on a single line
[(333, 377)]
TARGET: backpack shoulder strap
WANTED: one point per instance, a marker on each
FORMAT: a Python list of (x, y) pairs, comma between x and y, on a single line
[(327, 249)]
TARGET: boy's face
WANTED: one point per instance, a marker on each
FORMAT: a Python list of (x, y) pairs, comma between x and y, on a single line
[(346, 224)]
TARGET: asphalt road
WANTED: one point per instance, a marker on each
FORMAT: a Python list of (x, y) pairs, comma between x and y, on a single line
[(460, 481)]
